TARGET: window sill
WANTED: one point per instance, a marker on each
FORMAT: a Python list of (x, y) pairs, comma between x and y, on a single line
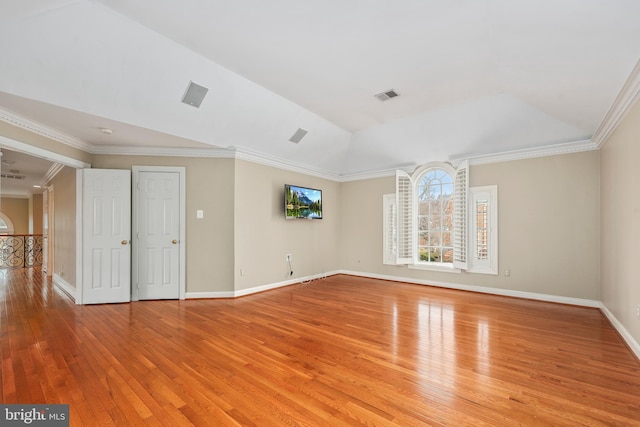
[(433, 267)]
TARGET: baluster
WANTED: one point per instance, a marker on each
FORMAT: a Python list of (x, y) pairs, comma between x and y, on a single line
[(29, 244)]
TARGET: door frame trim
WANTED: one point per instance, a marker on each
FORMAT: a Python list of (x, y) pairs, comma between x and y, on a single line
[(181, 170)]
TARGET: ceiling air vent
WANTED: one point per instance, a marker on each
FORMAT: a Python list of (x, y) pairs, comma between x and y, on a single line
[(386, 95), (297, 137), (4, 175), (194, 94)]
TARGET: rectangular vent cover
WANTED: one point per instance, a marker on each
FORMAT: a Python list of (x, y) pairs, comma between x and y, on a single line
[(194, 94), (297, 137), (4, 175), (383, 96)]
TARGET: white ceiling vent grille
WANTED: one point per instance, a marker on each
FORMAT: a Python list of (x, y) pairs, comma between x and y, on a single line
[(194, 94), (297, 137), (386, 95), (4, 175)]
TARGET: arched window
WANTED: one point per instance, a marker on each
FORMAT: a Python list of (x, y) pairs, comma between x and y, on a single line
[(434, 223), (6, 225)]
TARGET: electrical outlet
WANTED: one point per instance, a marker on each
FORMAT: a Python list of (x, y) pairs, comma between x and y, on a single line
[(638, 311), (288, 257)]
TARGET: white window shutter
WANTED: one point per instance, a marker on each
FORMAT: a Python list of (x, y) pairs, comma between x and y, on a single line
[(390, 232), (460, 234), (404, 209), (483, 231)]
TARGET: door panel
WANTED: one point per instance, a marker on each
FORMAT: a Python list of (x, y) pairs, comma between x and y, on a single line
[(158, 232), (106, 236)]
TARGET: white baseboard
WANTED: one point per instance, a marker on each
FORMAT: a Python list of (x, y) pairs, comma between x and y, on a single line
[(208, 295), (626, 336), (471, 288), (64, 285), (256, 289), (483, 289)]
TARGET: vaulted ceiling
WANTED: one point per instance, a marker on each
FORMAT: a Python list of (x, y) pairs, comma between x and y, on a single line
[(474, 77)]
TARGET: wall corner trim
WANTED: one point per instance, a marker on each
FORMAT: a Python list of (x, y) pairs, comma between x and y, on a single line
[(626, 336), (64, 286), (628, 96)]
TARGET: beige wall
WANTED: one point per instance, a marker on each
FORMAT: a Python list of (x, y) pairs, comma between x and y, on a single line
[(210, 240), (360, 231), (620, 210), (263, 236), (64, 225), (36, 213), (548, 227), (17, 209), (22, 135)]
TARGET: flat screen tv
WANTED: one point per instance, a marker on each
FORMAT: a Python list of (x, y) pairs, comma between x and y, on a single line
[(302, 202)]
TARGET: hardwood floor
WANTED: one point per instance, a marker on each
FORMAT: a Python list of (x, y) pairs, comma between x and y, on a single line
[(340, 351)]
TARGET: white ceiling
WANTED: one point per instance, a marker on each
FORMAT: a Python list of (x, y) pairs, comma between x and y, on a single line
[(475, 77)]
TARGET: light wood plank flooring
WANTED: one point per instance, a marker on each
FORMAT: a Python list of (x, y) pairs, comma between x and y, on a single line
[(340, 351)]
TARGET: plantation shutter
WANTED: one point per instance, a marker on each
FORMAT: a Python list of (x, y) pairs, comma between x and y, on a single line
[(483, 229), (390, 232), (460, 239), (404, 210)]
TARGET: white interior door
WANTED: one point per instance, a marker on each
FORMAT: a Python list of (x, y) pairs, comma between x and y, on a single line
[(158, 234), (106, 236)]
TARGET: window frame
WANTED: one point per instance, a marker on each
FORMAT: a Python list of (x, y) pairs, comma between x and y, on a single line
[(8, 222), (416, 178), (489, 265)]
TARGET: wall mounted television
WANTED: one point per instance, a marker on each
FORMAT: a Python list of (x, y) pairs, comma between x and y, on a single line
[(302, 202)]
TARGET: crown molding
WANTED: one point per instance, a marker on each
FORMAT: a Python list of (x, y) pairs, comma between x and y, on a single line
[(272, 161), (51, 173), (361, 176), (38, 128), (528, 153), (219, 153), (122, 150), (382, 173), (628, 96)]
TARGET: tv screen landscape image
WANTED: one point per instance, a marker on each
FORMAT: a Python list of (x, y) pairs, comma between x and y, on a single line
[(302, 202)]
